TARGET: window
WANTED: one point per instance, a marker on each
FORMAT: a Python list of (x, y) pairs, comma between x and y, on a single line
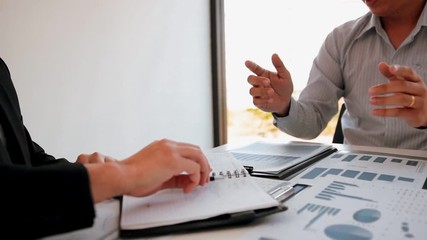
[(254, 30)]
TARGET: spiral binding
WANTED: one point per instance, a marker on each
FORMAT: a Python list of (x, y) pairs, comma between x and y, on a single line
[(228, 174)]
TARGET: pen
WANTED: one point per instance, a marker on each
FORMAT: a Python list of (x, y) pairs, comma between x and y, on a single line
[(282, 193)]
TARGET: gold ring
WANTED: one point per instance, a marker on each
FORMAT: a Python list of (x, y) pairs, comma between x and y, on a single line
[(412, 101)]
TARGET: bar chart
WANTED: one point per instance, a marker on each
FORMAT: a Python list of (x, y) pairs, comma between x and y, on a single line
[(383, 169)]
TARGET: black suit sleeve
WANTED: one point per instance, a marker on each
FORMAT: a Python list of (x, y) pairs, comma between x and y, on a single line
[(44, 200), (51, 196)]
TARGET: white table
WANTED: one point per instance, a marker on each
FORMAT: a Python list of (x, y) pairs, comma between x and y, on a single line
[(272, 227)]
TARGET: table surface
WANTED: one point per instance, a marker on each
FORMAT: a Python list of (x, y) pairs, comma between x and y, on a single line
[(107, 220)]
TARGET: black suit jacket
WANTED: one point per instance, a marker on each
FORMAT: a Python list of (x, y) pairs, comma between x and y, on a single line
[(40, 195)]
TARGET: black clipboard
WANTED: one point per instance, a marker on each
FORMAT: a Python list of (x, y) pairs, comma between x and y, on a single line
[(289, 173)]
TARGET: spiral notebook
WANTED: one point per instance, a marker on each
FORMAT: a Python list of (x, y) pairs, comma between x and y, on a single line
[(233, 197)]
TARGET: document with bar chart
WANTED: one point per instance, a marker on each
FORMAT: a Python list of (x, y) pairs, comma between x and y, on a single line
[(360, 196), (381, 169)]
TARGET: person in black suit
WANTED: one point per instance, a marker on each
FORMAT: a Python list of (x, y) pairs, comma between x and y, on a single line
[(42, 196)]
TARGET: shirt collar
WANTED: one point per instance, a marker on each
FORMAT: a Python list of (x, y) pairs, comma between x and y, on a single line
[(374, 22), (423, 18)]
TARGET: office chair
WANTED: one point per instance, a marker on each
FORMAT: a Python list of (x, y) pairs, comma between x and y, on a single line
[(338, 135)]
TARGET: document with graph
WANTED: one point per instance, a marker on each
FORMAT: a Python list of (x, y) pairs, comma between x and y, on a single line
[(357, 195), (382, 169)]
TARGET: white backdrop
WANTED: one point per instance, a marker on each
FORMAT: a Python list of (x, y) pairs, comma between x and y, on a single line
[(107, 75)]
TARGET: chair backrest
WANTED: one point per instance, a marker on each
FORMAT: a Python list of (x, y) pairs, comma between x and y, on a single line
[(338, 135)]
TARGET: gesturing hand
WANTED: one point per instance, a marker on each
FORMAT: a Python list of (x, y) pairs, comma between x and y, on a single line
[(271, 91), (404, 96)]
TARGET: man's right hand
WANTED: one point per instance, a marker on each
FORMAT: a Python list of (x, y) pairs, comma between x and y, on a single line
[(271, 91)]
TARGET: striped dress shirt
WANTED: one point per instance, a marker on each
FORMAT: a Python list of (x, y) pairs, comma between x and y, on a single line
[(346, 67)]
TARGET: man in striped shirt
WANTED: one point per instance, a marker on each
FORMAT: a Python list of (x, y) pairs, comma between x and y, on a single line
[(376, 63)]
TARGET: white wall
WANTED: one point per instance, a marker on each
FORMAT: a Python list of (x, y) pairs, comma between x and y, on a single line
[(109, 75)]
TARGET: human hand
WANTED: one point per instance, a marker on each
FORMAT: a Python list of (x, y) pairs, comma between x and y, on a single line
[(166, 164), (404, 96), (95, 157), (271, 91)]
